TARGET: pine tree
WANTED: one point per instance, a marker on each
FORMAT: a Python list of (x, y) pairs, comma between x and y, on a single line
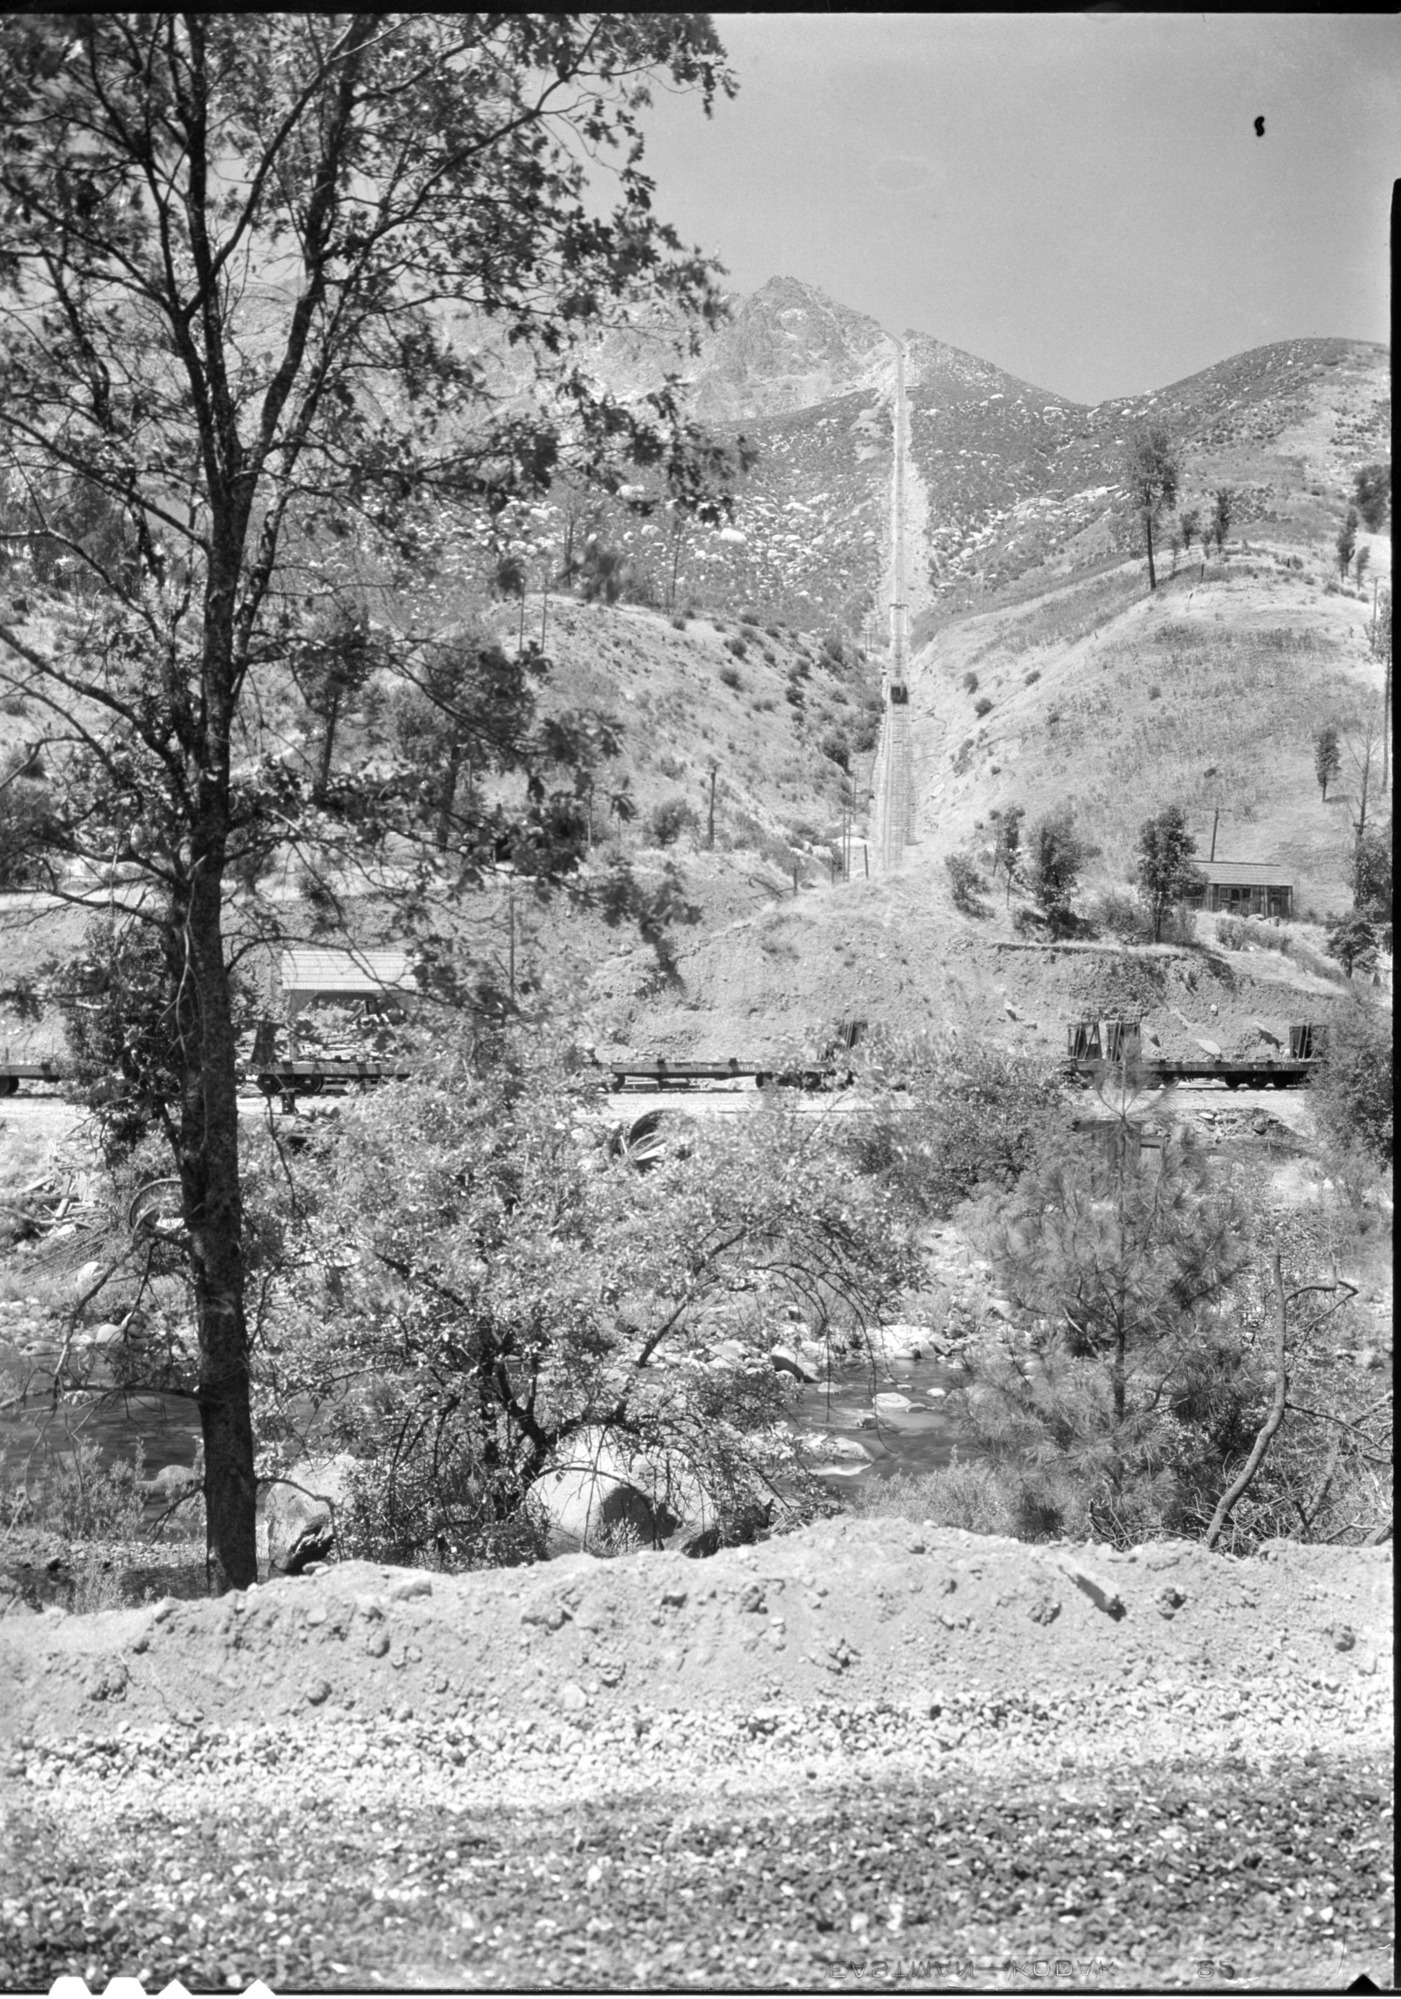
[(1151, 475), (1327, 757), (1165, 871)]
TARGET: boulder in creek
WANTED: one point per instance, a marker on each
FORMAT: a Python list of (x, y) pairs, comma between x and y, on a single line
[(299, 1512), (784, 1361), (596, 1488)]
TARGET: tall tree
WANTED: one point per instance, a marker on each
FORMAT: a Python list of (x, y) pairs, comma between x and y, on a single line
[(1142, 1390), (1223, 512), (332, 664), (1165, 870), (1347, 542), (1056, 856), (1151, 474), (1371, 490), (253, 266), (1189, 524), (1327, 757), (1007, 844)]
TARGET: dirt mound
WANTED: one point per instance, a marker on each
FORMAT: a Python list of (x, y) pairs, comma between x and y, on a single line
[(864, 1611)]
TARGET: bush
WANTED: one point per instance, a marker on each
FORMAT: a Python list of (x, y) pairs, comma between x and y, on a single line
[(737, 647), (967, 884), (1122, 916), (982, 707), (526, 1256), (967, 1119), (964, 1495), (664, 826), (970, 683), (678, 623), (835, 745), (730, 677), (1144, 1390), (1155, 693), (1352, 1092), (1032, 677), (1056, 856)]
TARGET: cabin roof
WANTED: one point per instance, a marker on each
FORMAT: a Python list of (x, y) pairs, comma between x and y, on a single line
[(1245, 874), (326, 971)]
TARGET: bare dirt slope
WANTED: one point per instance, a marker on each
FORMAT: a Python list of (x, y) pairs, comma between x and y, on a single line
[(858, 1755), (875, 1611)]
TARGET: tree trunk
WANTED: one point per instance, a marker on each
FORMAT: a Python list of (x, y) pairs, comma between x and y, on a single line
[(328, 745), (213, 1213), (449, 797), (1148, 531), (1241, 1485)]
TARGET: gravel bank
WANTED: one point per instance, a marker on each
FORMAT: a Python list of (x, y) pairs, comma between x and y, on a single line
[(836, 1758)]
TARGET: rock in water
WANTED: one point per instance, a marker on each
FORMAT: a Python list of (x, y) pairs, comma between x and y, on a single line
[(299, 1513)]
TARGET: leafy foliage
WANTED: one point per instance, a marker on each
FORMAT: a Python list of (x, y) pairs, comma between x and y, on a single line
[(1007, 855), (261, 277), (1347, 541), (1151, 474), (1118, 1411), (1352, 1092), (1327, 757), (1166, 874), (1371, 873), (1056, 856), (1371, 487), (1223, 512), (962, 1119), (475, 1283), (1352, 940), (672, 818), (967, 884)]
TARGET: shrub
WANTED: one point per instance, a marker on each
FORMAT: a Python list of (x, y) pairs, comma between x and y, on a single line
[(1155, 693), (982, 707), (524, 1257), (1033, 676), (1056, 856), (966, 1119), (1351, 1093), (1121, 915), (737, 647), (964, 1495), (967, 884), (678, 623), (1352, 940), (730, 677), (1146, 1390), (970, 683), (664, 826), (835, 745)]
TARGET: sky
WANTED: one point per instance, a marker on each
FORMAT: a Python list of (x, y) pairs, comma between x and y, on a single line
[(1081, 198)]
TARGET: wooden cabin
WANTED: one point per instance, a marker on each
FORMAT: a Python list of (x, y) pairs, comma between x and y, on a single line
[(1243, 888), (376, 984)]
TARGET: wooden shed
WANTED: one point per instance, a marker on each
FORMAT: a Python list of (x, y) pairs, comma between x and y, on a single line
[(375, 979), (1244, 888)]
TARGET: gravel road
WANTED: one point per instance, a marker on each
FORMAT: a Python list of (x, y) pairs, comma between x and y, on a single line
[(863, 1754)]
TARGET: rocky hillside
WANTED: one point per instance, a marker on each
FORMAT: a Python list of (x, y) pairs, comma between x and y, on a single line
[(1021, 484)]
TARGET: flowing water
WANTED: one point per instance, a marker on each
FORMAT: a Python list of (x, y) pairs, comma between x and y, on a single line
[(866, 1439)]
